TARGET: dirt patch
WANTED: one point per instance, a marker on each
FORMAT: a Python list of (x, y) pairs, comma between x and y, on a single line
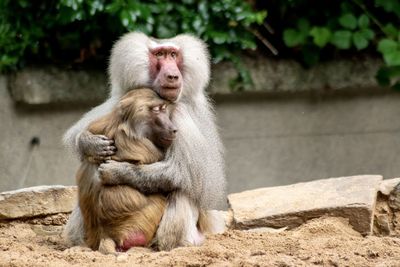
[(324, 241)]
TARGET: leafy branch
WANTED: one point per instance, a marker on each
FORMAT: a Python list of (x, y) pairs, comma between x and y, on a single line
[(77, 30), (351, 28)]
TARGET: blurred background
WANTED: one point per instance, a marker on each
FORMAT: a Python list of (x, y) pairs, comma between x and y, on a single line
[(303, 90)]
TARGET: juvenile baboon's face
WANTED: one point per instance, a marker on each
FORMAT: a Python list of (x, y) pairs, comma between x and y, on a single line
[(149, 116), (162, 132)]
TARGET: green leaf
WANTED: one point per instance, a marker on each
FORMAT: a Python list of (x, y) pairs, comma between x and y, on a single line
[(321, 35), (293, 38), (124, 17), (243, 80), (7, 60), (389, 5), (219, 37), (360, 41), (113, 7), (247, 44), (23, 3), (203, 10), (96, 6), (165, 32), (392, 58), (390, 30), (188, 1), (367, 33), (363, 21), (341, 39), (348, 21), (387, 46), (198, 24), (260, 16)]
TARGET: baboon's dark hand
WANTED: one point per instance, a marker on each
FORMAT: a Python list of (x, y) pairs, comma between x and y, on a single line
[(96, 148)]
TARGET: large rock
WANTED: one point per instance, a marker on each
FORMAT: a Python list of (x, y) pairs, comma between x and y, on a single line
[(36, 201), (350, 197), (387, 186)]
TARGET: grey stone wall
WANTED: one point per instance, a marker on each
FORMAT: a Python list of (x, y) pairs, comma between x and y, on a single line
[(270, 139), (20, 166), (280, 76), (273, 141), (49, 85)]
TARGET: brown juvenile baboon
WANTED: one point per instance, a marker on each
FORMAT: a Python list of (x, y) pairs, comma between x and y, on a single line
[(141, 128)]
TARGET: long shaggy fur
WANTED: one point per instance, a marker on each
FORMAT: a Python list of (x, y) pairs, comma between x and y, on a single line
[(116, 211), (194, 164)]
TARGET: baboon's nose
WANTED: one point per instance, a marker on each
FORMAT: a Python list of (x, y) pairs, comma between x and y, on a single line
[(173, 131)]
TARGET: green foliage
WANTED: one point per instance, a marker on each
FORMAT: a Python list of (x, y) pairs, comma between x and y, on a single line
[(308, 30), (390, 6), (390, 50), (60, 30), (389, 45), (294, 37), (347, 25), (348, 30), (321, 35), (341, 39)]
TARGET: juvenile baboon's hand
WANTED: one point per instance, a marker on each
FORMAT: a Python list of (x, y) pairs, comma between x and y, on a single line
[(95, 148), (113, 172)]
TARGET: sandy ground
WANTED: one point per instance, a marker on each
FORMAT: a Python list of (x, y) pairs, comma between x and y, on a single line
[(323, 242)]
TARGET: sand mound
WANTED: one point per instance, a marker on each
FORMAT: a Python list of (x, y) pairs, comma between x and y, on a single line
[(324, 241)]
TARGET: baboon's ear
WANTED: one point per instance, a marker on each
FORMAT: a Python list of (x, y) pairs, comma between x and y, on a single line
[(122, 112), (124, 128), (127, 109)]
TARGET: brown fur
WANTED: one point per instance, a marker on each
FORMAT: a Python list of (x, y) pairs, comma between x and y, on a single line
[(112, 212)]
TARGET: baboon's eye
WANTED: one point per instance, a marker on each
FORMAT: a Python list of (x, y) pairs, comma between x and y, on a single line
[(173, 54), (163, 107), (159, 54), (155, 109)]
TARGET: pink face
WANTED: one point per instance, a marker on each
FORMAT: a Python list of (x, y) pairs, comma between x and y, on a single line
[(166, 64)]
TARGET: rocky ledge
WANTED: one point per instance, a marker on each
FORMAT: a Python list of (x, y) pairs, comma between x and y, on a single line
[(371, 204)]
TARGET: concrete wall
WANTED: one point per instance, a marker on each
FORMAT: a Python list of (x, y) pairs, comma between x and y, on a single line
[(277, 141), (20, 166), (269, 140)]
